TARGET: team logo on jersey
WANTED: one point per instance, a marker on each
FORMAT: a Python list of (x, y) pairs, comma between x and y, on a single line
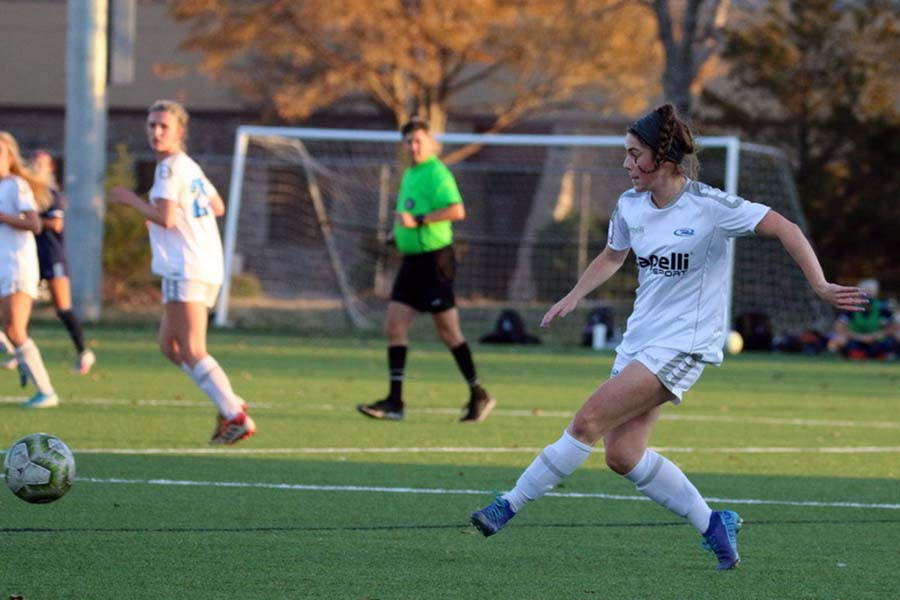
[(409, 204), (684, 232), (164, 172), (675, 264)]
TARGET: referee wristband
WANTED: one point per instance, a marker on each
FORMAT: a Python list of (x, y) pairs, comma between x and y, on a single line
[(420, 220)]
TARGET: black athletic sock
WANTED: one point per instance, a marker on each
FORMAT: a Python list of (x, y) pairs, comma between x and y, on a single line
[(69, 319), (466, 365), (396, 366)]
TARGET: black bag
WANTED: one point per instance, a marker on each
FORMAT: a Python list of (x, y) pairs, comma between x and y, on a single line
[(510, 329), (603, 315), (756, 329)]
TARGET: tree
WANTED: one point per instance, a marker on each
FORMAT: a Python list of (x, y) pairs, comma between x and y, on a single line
[(690, 47), (508, 59), (820, 80)]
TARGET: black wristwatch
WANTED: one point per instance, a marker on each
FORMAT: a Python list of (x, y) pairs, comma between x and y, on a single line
[(420, 220)]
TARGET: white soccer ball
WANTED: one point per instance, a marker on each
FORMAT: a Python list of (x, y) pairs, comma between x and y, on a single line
[(734, 343), (39, 468)]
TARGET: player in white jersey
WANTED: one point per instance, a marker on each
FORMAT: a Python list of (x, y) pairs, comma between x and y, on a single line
[(678, 230), (20, 192), (187, 255)]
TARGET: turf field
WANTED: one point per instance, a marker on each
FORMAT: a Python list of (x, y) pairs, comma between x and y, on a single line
[(323, 503)]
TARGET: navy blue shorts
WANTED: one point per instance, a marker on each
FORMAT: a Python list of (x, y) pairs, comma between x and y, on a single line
[(53, 264), (425, 281)]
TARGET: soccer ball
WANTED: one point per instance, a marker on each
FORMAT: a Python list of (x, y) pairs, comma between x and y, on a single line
[(734, 343), (39, 468)]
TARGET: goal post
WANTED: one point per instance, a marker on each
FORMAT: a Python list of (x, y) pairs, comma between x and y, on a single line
[(308, 210)]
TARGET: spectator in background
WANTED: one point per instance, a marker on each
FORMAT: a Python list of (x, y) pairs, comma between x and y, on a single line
[(54, 268), (872, 333)]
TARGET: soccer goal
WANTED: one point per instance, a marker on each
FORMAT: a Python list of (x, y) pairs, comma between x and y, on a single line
[(310, 209)]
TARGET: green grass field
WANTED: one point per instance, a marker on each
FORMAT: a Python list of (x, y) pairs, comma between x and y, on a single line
[(323, 503)]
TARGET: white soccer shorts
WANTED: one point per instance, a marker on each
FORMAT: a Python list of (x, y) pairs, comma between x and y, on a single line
[(187, 290), (677, 371)]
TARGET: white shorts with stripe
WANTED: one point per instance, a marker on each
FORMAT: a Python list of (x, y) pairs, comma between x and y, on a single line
[(677, 371), (188, 290)]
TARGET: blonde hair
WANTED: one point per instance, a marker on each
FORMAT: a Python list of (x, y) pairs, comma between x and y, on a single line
[(39, 188), (177, 110)]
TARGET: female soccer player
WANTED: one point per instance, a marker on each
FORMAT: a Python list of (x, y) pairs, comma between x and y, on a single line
[(20, 193), (54, 267), (678, 229), (187, 254)]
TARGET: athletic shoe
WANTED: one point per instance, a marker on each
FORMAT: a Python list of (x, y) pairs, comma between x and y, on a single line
[(387, 409), (493, 517), (84, 362), (220, 420), (721, 538), (234, 430), (479, 407), (10, 364), (42, 400)]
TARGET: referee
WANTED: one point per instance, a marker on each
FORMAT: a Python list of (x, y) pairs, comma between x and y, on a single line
[(427, 204)]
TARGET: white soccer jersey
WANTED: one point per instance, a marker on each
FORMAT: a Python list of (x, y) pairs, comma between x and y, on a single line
[(681, 254), (18, 251), (192, 249)]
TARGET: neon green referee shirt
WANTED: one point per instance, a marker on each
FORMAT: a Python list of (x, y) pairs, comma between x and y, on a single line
[(425, 187)]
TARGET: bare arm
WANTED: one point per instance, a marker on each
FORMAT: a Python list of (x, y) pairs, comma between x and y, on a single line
[(454, 212), (218, 206), (796, 244), (597, 273), (55, 224), (27, 221), (163, 213)]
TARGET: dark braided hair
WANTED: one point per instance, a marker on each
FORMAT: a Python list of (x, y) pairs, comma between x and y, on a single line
[(672, 131), (669, 137)]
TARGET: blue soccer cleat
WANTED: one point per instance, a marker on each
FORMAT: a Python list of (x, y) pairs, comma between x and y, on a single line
[(42, 400), (721, 538), (493, 517)]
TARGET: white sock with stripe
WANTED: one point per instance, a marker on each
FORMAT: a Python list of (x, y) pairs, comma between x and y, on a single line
[(659, 479), (30, 360), (556, 462), (210, 377)]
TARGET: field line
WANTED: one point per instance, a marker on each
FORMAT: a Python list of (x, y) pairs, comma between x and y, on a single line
[(479, 450), (467, 492), (537, 412)]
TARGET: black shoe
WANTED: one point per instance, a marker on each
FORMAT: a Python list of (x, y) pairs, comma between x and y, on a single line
[(386, 409), (479, 407)]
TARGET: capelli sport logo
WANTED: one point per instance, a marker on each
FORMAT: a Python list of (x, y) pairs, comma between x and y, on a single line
[(675, 264)]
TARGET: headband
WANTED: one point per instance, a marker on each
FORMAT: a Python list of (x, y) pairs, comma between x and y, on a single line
[(647, 130)]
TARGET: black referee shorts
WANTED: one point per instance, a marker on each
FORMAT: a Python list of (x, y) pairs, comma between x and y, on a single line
[(425, 281)]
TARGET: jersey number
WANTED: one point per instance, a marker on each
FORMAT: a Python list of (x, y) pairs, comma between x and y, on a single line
[(201, 200)]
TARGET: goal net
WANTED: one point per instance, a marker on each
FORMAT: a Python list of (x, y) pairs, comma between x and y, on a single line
[(310, 209)]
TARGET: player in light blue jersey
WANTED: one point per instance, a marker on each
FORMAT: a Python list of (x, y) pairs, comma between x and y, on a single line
[(678, 229)]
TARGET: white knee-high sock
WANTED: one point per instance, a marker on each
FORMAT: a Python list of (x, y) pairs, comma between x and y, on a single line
[(660, 480), (555, 462), (30, 361), (210, 377)]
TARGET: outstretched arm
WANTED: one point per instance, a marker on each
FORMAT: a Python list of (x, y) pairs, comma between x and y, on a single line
[(796, 244), (597, 273)]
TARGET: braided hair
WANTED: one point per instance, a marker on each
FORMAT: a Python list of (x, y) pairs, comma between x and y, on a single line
[(669, 137)]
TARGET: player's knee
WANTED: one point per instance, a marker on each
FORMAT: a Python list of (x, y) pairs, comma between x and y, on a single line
[(618, 459), (584, 429)]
